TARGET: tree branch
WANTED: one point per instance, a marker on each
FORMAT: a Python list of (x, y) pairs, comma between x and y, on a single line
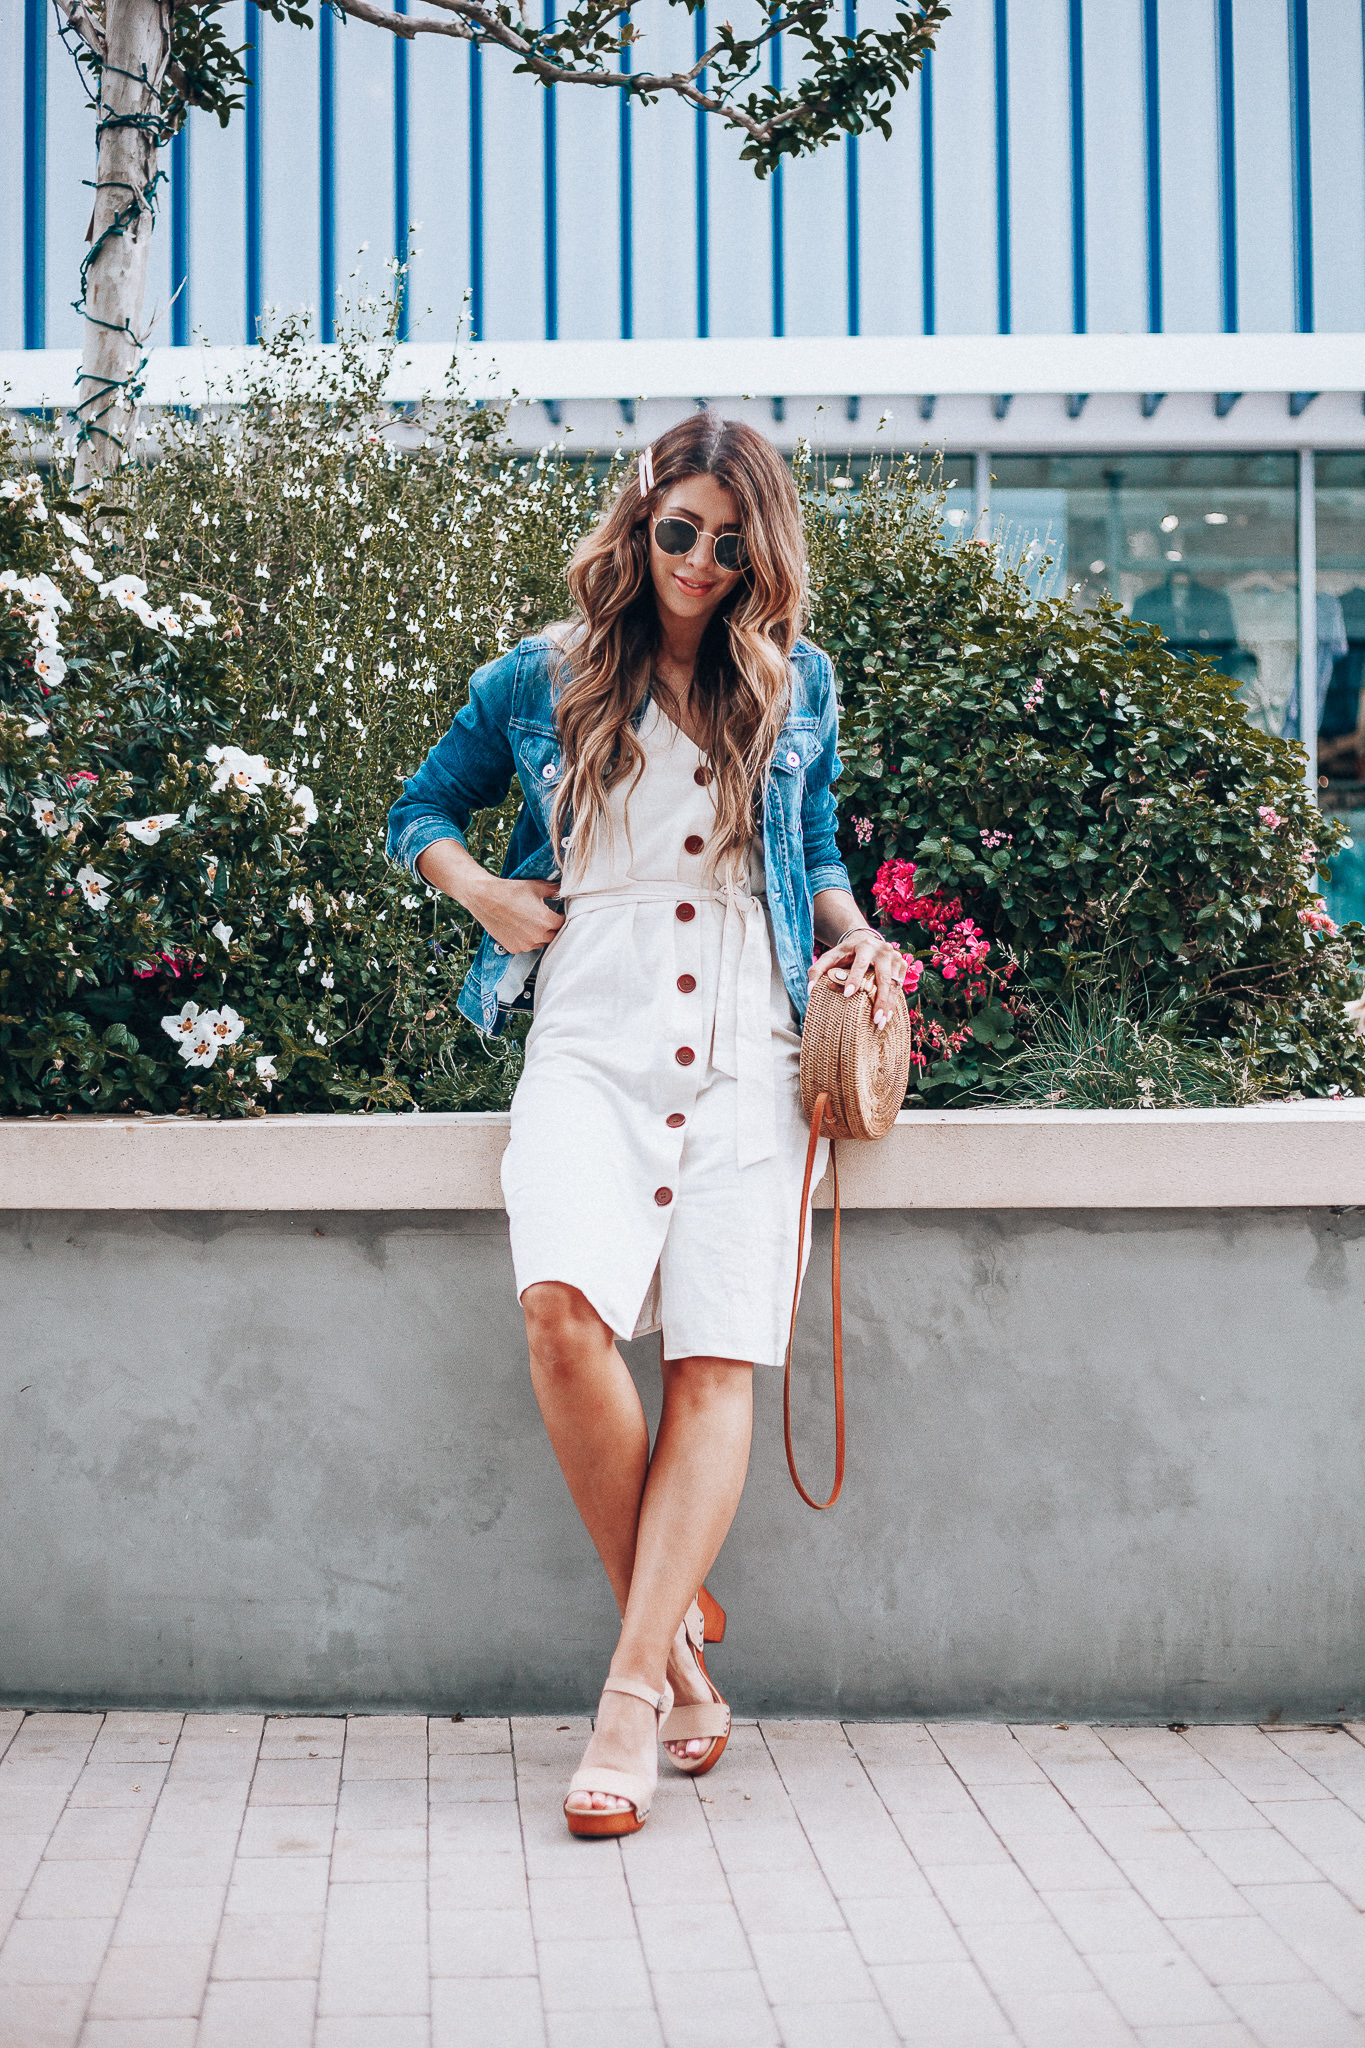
[(77, 15)]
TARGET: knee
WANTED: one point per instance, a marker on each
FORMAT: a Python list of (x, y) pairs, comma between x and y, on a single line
[(703, 1385), (564, 1332)]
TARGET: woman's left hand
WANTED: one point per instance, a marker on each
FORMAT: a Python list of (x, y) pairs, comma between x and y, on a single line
[(864, 956)]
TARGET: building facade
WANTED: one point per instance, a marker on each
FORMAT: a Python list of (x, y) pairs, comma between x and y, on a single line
[(1112, 260)]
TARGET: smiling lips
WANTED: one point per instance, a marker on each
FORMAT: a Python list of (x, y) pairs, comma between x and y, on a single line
[(685, 583)]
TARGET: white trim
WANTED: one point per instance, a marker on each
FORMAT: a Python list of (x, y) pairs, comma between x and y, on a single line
[(1281, 1155), (862, 365)]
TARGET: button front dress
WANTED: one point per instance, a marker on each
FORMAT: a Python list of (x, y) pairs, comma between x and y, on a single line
[(658, 1145)]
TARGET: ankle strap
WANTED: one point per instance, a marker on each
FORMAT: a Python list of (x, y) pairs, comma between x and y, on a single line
[(660, 1701)]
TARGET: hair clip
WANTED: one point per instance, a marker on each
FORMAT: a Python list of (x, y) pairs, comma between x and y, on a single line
[(647, 472)]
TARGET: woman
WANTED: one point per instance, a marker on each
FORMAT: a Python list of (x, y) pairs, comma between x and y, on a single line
[(676, 743)]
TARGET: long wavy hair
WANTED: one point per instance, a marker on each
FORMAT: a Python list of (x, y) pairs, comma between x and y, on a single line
[(742, 679)]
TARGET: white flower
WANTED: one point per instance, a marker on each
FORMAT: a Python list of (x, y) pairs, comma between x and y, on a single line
[(303, 907), (234, 769), (302, 800), (183, 1024), (124, 589), (222, 932), (328, 979), (94, 887), (27, 493), (149, 830), (72, 528), (225, 1025), (265, 1070), (36, 728), (199, 1048), (317, 1036), (85, 563), (150, 533), (49, 667), (47, 817)]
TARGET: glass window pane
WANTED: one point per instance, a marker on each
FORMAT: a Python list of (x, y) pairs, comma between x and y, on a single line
[(1341, 667), (1203, 546)]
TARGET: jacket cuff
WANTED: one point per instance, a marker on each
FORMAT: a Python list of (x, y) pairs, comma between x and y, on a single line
[(828, 874), (416, 836)]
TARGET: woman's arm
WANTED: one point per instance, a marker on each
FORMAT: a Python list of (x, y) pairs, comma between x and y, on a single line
[(854, 950), (471, 769), (515, 914)]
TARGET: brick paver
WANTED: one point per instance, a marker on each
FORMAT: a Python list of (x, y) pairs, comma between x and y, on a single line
[(243, 1881)]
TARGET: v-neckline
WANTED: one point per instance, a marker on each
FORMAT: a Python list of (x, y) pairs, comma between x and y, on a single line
[(682, 731)]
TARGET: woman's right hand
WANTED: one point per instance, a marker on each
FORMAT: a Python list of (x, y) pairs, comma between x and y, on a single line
[(517, 915)]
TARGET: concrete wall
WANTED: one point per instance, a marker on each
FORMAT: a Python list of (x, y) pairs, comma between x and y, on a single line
[(1101, 1463)]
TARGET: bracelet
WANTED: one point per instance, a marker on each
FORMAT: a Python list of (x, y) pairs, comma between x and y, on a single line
[(856, 928)]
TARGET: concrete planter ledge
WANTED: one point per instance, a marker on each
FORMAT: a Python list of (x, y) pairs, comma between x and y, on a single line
[(1294, 1154), (267, 1434)]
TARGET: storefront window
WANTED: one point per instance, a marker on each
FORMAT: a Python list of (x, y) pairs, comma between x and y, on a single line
[(1341, 667), (1202, 546)]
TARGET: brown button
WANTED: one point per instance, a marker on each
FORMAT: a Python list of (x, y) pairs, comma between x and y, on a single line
[(701, 776), (687, 982), (693, 843), (676, 1121), (686, 912), (663, 1196), (684, 1055)]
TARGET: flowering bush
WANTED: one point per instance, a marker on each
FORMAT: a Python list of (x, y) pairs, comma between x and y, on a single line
[(1039, 800), (210, 687), (212, 682)]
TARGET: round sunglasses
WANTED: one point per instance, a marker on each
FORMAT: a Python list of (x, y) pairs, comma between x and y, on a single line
[(679, 536)]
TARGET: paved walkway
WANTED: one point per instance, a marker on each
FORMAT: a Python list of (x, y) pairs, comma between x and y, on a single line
[(221, 1881)]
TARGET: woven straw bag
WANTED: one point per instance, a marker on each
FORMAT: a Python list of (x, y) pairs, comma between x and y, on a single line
[(853, 1082)]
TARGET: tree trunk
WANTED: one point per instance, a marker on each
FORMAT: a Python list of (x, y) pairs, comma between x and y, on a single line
[(138, 49)]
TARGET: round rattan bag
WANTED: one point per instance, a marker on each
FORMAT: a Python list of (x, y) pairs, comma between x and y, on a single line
[(863, 1071)]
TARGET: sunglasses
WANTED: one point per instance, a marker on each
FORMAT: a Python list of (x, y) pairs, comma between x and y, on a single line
[(680, 536)]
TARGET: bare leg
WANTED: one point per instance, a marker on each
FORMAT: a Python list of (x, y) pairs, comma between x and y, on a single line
[(657, 1525), (594, 1419), (696, 1477)]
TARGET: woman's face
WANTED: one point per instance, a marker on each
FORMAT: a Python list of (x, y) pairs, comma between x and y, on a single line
[(688, 588)]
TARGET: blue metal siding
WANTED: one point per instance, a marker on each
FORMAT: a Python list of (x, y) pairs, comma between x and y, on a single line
[(1040, 249), (1191, 226), (1336, 62), (1265, 167), (1107, 164)]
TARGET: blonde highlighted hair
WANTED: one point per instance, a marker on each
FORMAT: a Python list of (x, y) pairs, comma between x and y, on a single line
[(742, 679)]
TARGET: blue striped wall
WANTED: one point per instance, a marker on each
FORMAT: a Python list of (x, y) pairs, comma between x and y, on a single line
[(1108, 165)]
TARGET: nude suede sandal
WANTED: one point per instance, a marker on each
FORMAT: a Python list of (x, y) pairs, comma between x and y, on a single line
[(631, 1785), (709, 1718)]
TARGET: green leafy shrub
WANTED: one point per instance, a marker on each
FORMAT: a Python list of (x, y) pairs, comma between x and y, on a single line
[(1090, 799), (1084, 797), (355, 584)]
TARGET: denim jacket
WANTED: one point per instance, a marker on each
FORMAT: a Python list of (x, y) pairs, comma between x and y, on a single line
[(508, 728)]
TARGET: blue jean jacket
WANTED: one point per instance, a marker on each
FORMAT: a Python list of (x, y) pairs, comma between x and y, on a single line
[(508, 728)]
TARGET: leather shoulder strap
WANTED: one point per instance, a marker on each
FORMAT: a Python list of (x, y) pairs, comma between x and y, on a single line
[(817, 1117)]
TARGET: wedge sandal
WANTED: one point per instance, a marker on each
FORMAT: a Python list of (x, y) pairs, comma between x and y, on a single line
[(632, 1786), (706, 1720)]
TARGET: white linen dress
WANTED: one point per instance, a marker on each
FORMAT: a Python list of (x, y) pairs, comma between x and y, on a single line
[(658, 1145)]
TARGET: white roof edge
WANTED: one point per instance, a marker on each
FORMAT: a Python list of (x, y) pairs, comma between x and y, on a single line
[(863, 365)]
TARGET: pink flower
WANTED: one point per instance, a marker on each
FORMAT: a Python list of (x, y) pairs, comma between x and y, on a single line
[(1269, 817), (913, 970), (1317, 921), (862, 830), (82, 775)]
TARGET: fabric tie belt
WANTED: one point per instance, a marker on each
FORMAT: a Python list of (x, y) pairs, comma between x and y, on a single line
[(742, 1045)]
